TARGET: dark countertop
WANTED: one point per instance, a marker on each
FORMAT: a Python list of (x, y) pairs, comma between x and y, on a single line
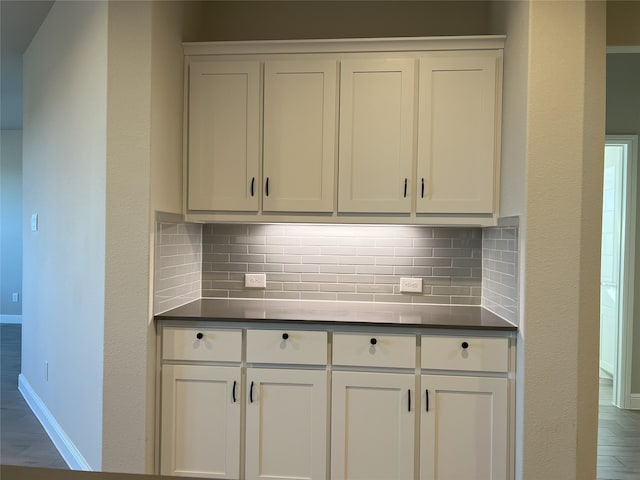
[(343, 313)]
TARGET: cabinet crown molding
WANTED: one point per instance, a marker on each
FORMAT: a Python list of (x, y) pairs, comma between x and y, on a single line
[(346, 45)]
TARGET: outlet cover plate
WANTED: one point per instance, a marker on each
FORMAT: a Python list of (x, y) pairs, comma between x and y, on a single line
[(411, 285), (255, 280)]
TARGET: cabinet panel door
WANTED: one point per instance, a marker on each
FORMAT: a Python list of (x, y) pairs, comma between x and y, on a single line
[(457, 141), (372, 426), (224, 136), (286, 434), (463, 429), (299, 135), (200, 421), (376, 135)]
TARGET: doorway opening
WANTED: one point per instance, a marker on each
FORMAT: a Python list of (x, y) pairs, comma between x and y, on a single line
[(617, 264)]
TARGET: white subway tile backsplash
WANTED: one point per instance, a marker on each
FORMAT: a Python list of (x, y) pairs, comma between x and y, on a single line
[(343, 261), (461, 266), (500, 271)]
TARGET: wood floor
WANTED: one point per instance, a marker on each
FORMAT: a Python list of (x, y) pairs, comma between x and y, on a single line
[(24, 442)]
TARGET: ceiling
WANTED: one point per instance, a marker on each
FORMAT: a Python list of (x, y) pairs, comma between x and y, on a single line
[(19, 21)]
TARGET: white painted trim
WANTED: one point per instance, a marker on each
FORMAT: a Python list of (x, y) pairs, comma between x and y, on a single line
[(11, 319), (349, 45), (60, 439), (622, 397), (635, 401), (624, 49)]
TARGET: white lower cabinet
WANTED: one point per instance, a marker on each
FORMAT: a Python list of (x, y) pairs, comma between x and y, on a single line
[(286, 427), (372, 426), (200, 421), (306, 404), (464, 428)]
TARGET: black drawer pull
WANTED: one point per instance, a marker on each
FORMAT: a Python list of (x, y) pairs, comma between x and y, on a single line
[(199, 335), (233, 392), (465, 345), (373, 341), (251, 393), (409, 400), (426, 396), (285, 336)]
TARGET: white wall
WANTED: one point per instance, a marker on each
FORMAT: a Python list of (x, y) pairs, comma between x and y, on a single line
[(10, 225), (64, 134)]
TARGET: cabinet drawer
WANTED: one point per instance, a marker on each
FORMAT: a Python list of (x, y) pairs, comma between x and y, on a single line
[(201, 344), (287, 346), (374, 350), (465, 353)]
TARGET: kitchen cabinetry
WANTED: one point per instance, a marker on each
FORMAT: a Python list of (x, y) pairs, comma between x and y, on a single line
[(299, 135), (224, 136), (201, 403), (345, 131), (457, 132), (376, 135), (308, 402), (373, 412), (286, 431), (464, 419)]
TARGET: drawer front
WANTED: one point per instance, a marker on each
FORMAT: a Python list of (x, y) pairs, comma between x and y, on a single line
[(482, 354), (201, 344), (374, 350), (287, 346)]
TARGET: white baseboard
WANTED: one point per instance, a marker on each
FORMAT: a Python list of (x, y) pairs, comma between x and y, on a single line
[(60, 439), (10, 318), (635, 401)]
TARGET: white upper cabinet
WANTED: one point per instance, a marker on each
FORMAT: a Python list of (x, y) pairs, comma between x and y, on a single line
[(344, 131), (299, 135), (457, 141), (377, 98), (224, 136)]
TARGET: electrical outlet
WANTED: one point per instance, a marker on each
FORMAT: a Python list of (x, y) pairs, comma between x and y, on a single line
[(46, 371), (255, 280), (15, 297), (411, 285)]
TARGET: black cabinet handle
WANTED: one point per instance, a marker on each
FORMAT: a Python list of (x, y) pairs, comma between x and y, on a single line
[(422, 187), (426, 396), (465, 345), (373, 341), (285, 336), (199, 335), (251, 393), (405, 188), (266, 187), (253, 181), (409, 400), (233, 392)]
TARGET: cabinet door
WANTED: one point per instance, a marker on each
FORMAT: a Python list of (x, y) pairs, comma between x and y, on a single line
[(200, 421), (457, 135), (376, 135), (224, 136), (299, 135), (463, 429), (286, 434), (372, 426)]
